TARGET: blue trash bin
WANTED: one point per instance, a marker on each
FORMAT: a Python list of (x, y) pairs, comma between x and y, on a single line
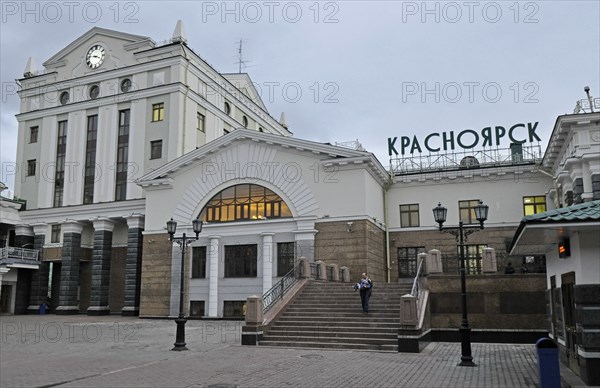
[(548, 368), (43, 308)]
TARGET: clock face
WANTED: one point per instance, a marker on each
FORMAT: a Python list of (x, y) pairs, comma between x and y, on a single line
[(95, 56)]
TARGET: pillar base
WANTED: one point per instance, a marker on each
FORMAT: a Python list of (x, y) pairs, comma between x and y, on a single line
[(98, 310), (67, 310), (34, 309), (130, 311)]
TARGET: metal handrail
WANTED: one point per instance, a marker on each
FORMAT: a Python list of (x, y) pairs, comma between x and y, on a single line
[(415, 288), (19, 254), (277, 292)]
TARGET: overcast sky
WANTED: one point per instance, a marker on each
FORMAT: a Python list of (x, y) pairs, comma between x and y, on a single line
[(348, 70)]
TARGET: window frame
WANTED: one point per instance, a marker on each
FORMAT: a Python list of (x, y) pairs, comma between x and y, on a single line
[(33, 133), (535, 204), (410, 212), (241, 261), (200, 122), (233, 305), (31, 167), (285, 259), (158, 112), (245, 202), (470, 205), (198, 268), (410, 261), (156, 149), (55, 232)]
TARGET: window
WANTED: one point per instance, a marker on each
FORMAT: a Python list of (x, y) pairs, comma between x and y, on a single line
[(158, 112), (260, 129), (55, 235), (31, 164), (227, 108), (409, 215), (473, 255), (94, 91), (33, 134), (240, 261), (285, 258), (233, 308), (196, 308), (534, 205), (198, 262), (200, 119), (407, 261), (466, 210), (122, 155), (126, 85), (156, 149), (245, 202), (64, 98), (90, 159), (59, 175), (245, 121)]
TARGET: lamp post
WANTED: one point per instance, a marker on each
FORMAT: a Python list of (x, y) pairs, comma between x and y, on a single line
[(183, 242), (481, 213)]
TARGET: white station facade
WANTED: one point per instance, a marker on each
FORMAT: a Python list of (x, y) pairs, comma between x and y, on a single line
[(118, 134)]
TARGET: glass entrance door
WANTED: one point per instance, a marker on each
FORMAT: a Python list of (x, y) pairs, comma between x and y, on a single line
[(568, 282)]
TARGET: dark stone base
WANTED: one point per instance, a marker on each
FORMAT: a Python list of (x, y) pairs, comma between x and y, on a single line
[(251, 335), (502, 337), (67, 311), (590, 370), (413, 343), (97, 311), (127, 312)]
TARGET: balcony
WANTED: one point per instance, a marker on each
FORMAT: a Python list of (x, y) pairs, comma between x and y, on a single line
[(19, 257)]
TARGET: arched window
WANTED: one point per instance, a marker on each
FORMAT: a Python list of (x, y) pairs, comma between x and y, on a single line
[(245, 202)]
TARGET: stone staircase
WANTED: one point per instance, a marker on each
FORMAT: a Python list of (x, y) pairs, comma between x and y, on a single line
[(329, 315)]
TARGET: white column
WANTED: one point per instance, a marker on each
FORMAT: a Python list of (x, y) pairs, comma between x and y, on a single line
[(213, 275), (137, 144), (106, 153), (267, 258), (47, 162), (75, 158)]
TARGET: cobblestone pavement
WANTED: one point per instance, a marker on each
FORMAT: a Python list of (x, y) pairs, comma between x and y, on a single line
[(114, 351)]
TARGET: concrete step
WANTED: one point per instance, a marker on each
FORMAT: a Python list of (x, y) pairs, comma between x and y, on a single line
[(333, 328), (333, 340), (321, 345), (294, 322), (318, 333), (354, 320), (341, 316)]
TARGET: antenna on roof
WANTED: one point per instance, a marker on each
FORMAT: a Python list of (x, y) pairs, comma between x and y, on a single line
[(240, 58)]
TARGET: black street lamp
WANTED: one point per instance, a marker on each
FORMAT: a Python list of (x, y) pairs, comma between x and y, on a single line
[(183, 243), (481, 213)]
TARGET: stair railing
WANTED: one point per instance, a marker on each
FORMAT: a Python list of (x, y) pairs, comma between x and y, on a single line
[(418, 282), (277, 292)]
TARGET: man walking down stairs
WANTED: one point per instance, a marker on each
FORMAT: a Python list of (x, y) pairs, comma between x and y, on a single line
[(329, 315)]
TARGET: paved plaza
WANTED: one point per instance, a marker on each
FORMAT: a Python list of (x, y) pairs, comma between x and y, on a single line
[(114, 351)]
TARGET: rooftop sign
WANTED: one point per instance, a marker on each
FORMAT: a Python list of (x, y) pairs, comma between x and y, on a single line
[(465, 139)]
